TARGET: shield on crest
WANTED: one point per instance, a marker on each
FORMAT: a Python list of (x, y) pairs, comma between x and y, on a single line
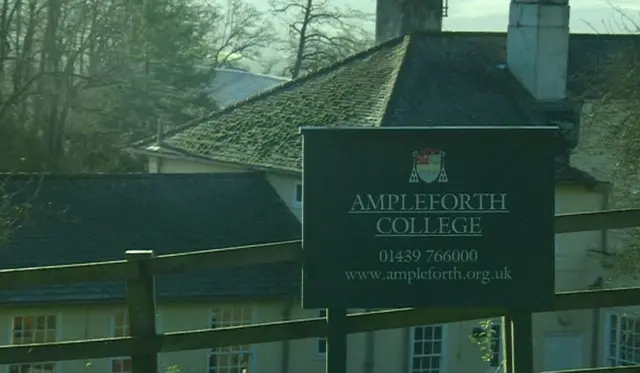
[(428, 166)]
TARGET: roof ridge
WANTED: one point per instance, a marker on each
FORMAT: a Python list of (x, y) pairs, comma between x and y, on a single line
[(394, 88), (129, 175), (275, 89), (447, 33)]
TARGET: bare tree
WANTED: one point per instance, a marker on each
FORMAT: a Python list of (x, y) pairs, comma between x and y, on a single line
[(17, 28), (20, 28), (79, 79), (320, 33), (242, 35)]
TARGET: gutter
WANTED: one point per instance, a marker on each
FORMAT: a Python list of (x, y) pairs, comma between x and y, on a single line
[(183, 157)]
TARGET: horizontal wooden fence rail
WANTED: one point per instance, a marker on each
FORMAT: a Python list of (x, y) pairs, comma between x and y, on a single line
[(296, 329), (253, 254), (597, 220), (117, 270)]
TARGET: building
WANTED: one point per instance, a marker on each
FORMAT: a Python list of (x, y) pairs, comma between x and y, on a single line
[(535, 73), (88, 218)]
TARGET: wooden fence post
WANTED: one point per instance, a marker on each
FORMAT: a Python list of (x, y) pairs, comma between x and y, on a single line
[(521, 359), (141, 302), (336, 340)]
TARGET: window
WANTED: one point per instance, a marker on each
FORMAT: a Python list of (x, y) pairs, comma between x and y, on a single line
[(121, 365), (120, 328), (495, 364), (623, 347), (297, 198), (426, 349), (235, 359), (33, 329), (496, 345), (321, 343)]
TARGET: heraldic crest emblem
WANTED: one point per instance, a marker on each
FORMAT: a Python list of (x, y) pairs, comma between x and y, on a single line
[(428, 166)]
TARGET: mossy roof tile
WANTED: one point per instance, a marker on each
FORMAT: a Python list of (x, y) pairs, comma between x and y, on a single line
[(264, 130)]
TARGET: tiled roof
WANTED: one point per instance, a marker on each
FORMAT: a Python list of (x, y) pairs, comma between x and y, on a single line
[(567, 174), (421, 79), (263, 130), (230, 86), (85, 218)]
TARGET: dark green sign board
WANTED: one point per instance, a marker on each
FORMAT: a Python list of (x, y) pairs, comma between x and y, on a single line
[(428, 217)]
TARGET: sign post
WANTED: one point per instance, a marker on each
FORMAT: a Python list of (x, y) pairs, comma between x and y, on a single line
[(447, 217), (336, 340)]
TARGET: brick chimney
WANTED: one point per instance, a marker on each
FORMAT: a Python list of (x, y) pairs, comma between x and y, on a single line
[(538, 46), (395, 18)]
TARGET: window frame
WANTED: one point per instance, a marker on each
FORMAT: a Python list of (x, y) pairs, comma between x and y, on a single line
[(614, 358), (442, 368), (322, 312), (321, 340), (297, 203), (496, 364), (251, 349), (112, 332), (496, 345), (57, 333)]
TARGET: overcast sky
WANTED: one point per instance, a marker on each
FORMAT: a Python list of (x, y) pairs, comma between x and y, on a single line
[(491, 15)]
